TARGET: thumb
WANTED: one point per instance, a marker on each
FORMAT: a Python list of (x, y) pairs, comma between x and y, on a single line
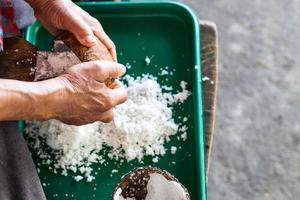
[(82, 31)]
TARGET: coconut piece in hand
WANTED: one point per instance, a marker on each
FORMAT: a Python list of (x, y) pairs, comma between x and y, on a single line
[(66, 54), (150, 184), (53, 64), (97, 52), (60, 46)]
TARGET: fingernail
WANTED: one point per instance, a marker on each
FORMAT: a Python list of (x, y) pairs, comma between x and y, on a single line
[(123, 68), (90, 39)]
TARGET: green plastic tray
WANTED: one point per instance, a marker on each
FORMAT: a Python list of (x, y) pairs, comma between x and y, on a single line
[(170, 32)]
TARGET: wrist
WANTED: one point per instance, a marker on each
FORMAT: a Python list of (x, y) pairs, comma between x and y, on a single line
[(41, 97), (51, 98), (41, 4), (36, 3)]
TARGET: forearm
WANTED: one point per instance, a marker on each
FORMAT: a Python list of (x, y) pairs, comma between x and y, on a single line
[(36, 3), (25, 100)]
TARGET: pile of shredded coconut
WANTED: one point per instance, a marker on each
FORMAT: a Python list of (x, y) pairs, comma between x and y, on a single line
[(141, 127)]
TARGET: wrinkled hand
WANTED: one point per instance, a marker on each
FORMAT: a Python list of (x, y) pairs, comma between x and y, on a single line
[(84, 97), (58, 15)]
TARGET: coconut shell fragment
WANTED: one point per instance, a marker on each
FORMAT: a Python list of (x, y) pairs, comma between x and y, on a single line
[(85, 54), (53, 64)]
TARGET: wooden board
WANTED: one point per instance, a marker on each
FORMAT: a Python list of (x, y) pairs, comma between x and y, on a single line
[(17, 59), (209, 88)]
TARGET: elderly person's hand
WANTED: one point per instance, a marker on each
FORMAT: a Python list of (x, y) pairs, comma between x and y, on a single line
[(77, 97), (84, 97), (58, 15)]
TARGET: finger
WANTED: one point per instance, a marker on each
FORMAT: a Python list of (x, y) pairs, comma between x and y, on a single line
[(82, 31), (103, 37), (110, 69), (100, 33), (101, 70), (106, 117), (118, 96)]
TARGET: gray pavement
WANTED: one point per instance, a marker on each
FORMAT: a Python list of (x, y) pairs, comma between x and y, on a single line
[(256, 150)]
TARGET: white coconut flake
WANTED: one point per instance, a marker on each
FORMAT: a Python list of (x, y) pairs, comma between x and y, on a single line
[(147, 61), (141, 127), (173, 149), (78, 178), (90, 178), (128, 65), (205, 78), (164, 72), (155, 159), (167, 88), (183, 95), (184, 136)]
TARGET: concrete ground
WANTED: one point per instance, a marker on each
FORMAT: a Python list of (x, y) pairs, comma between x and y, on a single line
[(256, 150)]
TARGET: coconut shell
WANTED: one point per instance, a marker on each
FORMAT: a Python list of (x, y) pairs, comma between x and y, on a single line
[(85, 54), (134, 184)]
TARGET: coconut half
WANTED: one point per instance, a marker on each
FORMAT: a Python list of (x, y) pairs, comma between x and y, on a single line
[(149, 183)]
